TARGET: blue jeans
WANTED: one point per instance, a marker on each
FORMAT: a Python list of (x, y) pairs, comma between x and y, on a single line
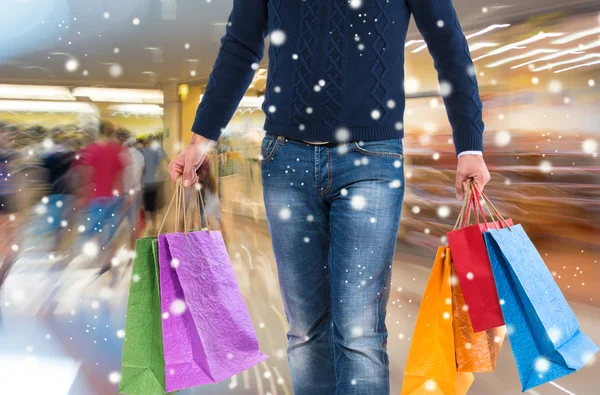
[(333, 214), (102, 217)]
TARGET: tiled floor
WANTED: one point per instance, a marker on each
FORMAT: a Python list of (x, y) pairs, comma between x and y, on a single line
[(72, 346)]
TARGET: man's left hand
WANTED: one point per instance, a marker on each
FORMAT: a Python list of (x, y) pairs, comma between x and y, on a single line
[(470, 166)]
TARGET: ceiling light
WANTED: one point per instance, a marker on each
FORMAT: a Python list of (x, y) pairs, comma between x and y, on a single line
[(575, 60), (570, 51), (522, 56), (137, 109), (411, 42), (113, 95), (577, 36), (476, 46), (487, 29), (47, 106), (578, 66), (520, 44), (248, 101), (35, 92)]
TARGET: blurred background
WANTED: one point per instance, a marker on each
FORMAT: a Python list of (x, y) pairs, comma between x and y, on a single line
[(98, 93)]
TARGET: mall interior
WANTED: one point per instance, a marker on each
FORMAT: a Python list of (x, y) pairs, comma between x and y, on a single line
[(67, 67)]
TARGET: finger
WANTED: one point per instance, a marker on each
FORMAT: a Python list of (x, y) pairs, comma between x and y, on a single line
[(175, 170), (486, 178), (189, 172), (460, 189), (479, 181), (174, 175)]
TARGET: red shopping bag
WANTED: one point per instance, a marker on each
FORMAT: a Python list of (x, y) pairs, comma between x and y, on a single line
[(472, 264), (141, 225)]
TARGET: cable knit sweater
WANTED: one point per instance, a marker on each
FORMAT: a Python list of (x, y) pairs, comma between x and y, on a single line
[(339, 65)]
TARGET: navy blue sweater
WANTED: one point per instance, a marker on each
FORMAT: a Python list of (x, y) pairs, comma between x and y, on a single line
[(339, 64)]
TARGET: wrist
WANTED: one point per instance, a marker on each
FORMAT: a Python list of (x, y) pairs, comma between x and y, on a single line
[(199, 140)]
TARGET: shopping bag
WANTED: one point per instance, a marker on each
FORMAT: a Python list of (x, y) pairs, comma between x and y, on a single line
[(475, 352), (208, 335), (431, 364), (473, 268), (143, 364), (544, 334)]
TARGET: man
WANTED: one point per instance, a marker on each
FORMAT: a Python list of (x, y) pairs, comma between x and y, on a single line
[(153, 180), (332, 162), (56, 161), (132, 184), (103, 164)]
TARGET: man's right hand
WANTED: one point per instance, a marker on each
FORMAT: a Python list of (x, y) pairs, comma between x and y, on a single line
[(189, 160)]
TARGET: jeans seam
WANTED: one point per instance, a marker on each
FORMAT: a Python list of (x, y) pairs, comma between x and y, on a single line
[(316, 168), (329, 176), (330, 309), (371, 153), (270, 152)]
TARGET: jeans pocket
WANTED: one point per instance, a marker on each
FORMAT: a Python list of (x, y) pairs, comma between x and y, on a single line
[(390, 148), (267, 148)]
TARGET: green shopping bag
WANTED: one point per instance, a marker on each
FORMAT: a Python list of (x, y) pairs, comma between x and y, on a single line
[(143, 361)]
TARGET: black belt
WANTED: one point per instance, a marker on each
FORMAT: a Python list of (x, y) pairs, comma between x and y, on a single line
[(324, 144)]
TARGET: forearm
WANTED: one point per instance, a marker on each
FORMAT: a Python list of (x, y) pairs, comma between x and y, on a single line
[(438, 23), (242, 49)]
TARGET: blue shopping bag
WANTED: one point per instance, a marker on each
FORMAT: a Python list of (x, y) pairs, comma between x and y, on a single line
[(543, 331)]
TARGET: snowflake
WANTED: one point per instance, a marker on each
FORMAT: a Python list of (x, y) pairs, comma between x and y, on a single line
[(430, 385), (542, 365), (285, 213), (356, 4), (277, 37), (114, 377), (395, 184), (555, 86), (358, 202), (502, 138), (545, 166), (91, 249), (443, 212), (590, 146), (445, 88), (356, 331)]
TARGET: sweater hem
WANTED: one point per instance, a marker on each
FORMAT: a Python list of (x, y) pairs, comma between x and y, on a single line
[(320, 132)]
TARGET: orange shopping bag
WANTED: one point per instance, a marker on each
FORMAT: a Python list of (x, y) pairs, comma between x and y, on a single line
[(475, 352), (431, 366)]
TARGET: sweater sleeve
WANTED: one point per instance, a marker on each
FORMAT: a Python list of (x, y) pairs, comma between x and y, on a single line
[(439, 26), (242, 47)]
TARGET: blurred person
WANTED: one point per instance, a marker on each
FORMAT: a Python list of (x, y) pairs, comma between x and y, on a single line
[(103, 163), (332, 164), (57, 160), (153, 180), (9, 205), (212, 202), (132, 184)]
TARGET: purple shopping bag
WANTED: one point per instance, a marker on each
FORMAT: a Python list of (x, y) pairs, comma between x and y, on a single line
[(207, 332)]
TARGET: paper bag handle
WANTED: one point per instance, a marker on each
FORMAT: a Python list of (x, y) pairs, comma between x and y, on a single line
[(180, 208)]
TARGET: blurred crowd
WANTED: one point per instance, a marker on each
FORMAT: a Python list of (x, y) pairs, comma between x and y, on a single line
[(75, 191)]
